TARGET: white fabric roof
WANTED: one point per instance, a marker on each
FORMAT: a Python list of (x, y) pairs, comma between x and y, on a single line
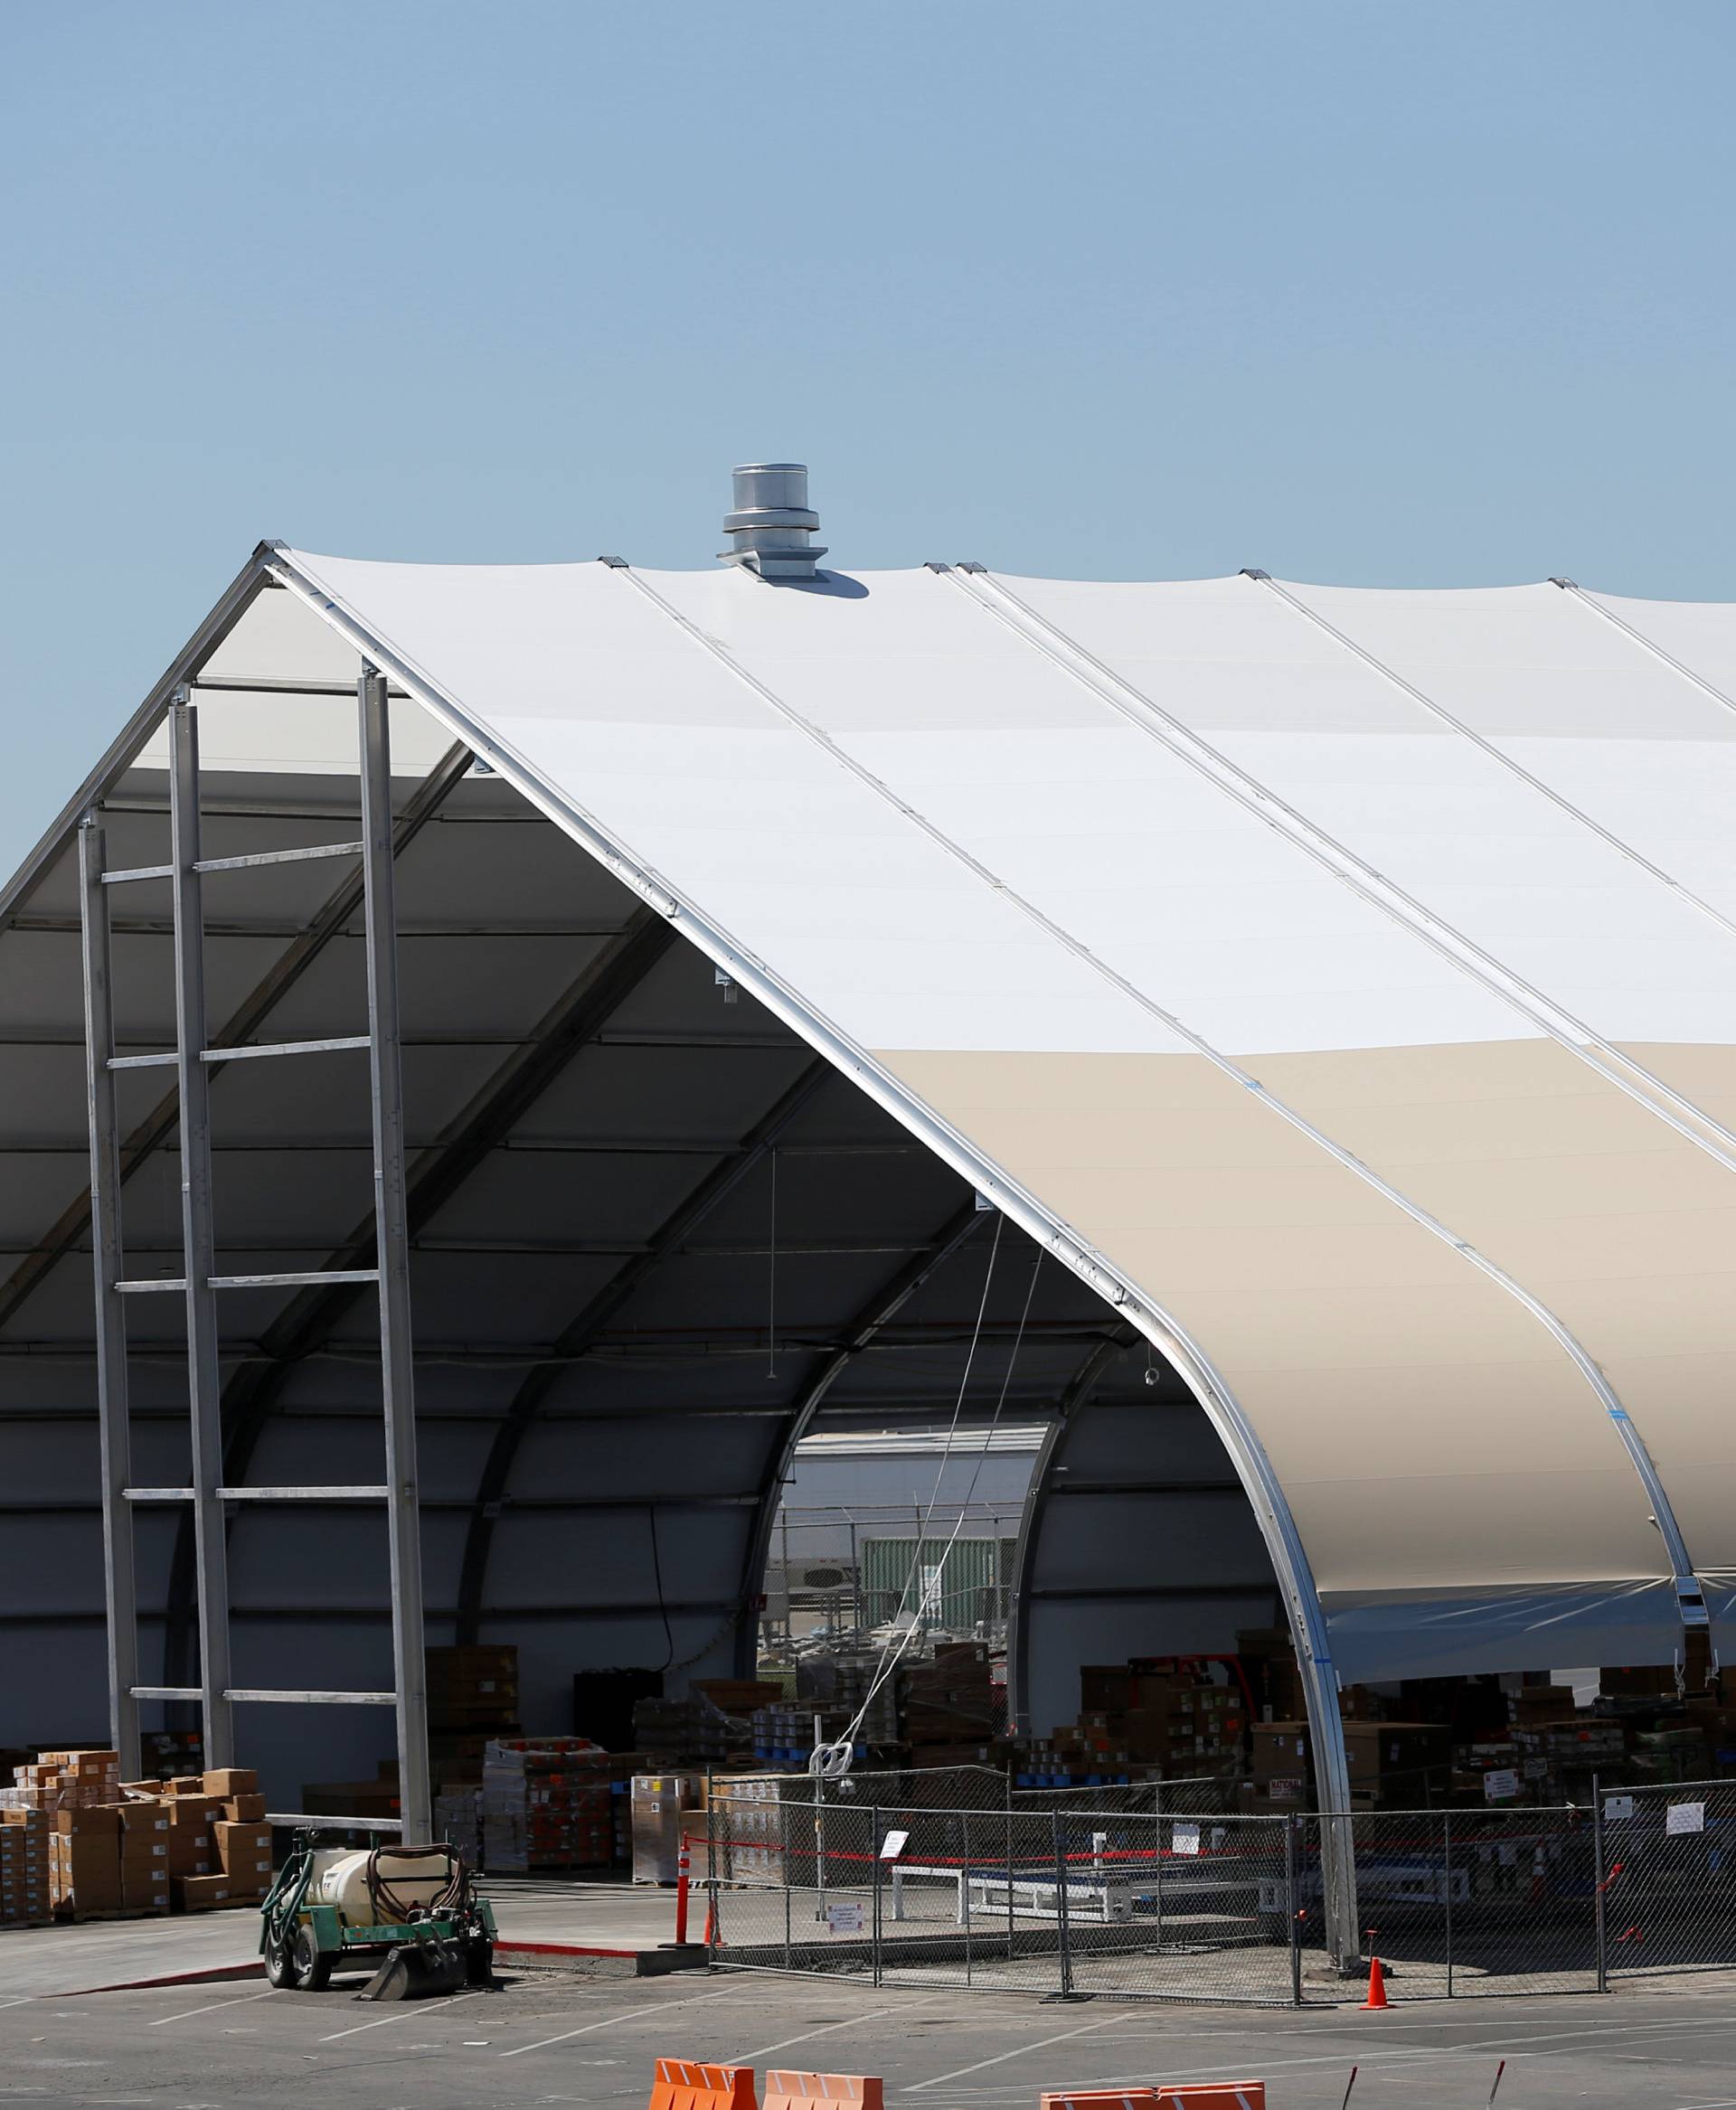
[(1349, 976)]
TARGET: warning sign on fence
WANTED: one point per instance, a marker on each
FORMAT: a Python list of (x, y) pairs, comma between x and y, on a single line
[(1686, 1817), (845, 1917), (1186, 1839), (1616, 1808)]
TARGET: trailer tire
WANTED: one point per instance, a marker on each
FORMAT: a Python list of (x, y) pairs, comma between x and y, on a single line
[(281, 1971), (311, 1963)]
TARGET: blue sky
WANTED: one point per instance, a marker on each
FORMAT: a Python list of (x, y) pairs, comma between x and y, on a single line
[(1377, 293)]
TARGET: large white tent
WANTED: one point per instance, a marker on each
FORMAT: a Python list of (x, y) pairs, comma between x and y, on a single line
[(1335, 987)]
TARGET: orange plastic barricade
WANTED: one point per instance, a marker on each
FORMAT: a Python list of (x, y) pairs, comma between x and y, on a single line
[(1102, 2099), (823, 2091), (1214, 2095), (683, 2084)]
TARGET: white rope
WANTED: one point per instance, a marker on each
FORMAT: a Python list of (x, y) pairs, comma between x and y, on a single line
[(833, 1759)]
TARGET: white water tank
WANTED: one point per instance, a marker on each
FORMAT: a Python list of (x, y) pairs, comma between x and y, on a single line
[(341, 1878)]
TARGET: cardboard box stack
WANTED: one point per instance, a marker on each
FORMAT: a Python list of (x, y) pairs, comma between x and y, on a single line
[(77, 1842), (690, 1731), (472, 1702), (546, 1804), (23, 1868), (952, 1708), (1393, 1765)]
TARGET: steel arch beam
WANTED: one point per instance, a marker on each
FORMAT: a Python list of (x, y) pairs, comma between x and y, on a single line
[(527, 1403), (879, 1312), (1083, 1382), (573, 1023)]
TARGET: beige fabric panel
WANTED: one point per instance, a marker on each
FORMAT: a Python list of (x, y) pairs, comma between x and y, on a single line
[(1618, 1224), (1429, 1431)]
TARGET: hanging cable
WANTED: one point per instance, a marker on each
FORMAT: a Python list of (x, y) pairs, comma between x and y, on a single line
[(830, 1760)]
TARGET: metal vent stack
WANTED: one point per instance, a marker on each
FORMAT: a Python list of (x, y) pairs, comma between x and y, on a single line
[(769, 525)]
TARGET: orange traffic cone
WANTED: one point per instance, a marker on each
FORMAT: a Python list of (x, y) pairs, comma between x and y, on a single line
[(709, 1938), (1376, 1985)]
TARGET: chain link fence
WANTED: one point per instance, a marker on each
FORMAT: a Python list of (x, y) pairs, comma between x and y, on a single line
[(1211, 1906)]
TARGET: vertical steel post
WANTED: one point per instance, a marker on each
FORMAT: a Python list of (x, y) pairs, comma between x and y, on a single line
[(1447, 1878), (1063, 1926), (876, 1838), (113, 1418), (198, 1236), (1599, 1909), (392, 1232), (1293, 1908)]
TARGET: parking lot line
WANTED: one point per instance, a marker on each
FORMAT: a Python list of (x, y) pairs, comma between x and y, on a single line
[(642, 2014), (826, 2030), (1000, 2058), (211, 2007), (405, 2014)]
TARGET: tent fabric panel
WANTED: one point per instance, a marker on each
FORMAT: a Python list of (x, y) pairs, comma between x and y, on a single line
[(1346, 1331)]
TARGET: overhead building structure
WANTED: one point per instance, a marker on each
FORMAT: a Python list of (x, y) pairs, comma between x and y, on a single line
[(812, 984)]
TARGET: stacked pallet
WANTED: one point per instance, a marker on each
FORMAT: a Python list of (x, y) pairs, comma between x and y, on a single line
[(546, 1804), (23, 1868), (77, 1842), (472, 1702)]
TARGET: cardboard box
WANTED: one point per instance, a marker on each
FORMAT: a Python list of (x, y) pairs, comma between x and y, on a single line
[(149, 1817), (244, 1808), (196, 1811), (94, 1819), (201, 1893), (249, 1843), (191, 1851), (223, 1781), (145, 1892)]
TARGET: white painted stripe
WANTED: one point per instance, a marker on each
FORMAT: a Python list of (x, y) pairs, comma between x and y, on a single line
[(211, 2007), (763, 2050), (644, 2014), (405, 2014), (1001, 2058)]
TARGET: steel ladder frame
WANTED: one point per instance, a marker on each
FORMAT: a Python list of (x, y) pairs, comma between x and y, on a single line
[(192, 1061)]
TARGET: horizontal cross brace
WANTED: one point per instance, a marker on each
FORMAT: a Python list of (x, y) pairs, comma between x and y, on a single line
[(316, 1278), (262, 1494), (138, 872), (331, 1823), (282, 685), (166, 1060), (245, 1053), (279, 857), (303, 1493), (254, 1693), (165, 1692)]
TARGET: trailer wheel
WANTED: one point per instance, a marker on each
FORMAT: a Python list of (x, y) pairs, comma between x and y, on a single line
[(281, 1971), (311, 1963)]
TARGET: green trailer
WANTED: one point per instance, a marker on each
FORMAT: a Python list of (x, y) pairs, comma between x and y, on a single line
[(440, 1942)]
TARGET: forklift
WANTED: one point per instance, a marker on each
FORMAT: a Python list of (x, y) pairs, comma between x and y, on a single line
[(413, 1910)]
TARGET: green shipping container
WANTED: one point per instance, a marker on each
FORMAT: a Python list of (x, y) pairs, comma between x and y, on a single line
[(956, 1588)]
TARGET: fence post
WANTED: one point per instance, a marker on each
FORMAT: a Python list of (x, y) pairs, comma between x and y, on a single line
[(875, 1839), (1062, 1924), (1598, 1921), (1289, 1824), (964, 1882), (1447, 1881)]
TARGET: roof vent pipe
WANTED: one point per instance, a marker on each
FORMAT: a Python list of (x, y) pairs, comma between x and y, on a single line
[(769, 527)]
